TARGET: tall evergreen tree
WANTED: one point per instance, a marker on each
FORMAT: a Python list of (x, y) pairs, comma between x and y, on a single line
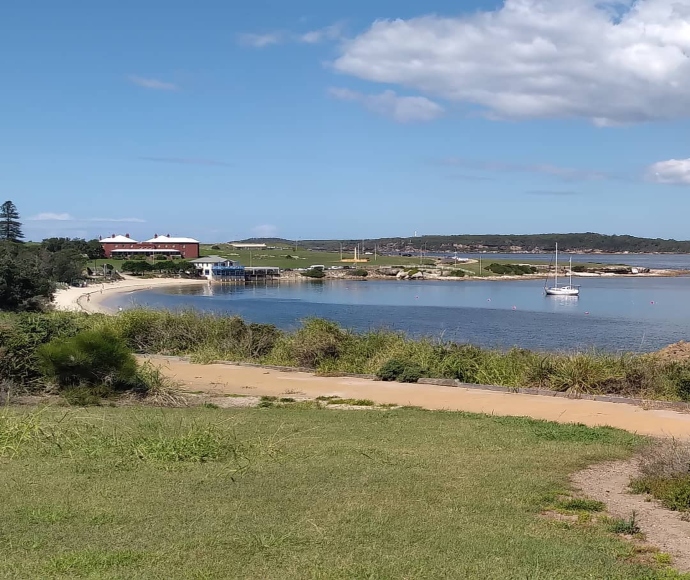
[(10, 226)]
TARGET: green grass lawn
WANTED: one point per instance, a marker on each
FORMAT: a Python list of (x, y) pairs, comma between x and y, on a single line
[(298, 492)]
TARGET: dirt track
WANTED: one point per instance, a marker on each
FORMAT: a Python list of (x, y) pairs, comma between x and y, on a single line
[(227, 379)]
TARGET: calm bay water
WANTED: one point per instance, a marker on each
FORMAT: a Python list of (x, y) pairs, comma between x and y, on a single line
[(615, 314)]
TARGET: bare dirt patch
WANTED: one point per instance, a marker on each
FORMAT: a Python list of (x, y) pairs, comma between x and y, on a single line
[(677, 352), (662, 528)]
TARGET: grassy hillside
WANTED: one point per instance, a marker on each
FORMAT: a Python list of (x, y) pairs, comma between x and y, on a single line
[(299, 492), (575, 242)]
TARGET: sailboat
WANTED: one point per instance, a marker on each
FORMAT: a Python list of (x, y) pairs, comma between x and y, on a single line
[(557, 290)]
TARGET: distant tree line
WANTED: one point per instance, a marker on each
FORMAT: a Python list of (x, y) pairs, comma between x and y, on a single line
[(575, 242)]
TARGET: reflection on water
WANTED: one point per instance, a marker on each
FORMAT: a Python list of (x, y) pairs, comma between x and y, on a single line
[(611, 313)]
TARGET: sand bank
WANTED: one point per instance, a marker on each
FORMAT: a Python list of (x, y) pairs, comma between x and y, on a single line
[(90, 299), (222, 379)]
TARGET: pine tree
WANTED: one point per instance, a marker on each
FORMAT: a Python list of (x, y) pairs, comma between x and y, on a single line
[(10, 226)]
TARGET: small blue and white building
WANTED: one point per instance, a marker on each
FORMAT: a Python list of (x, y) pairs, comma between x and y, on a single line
[(215, 268)]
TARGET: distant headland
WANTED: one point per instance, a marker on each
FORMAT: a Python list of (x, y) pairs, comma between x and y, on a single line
[(588, 243)]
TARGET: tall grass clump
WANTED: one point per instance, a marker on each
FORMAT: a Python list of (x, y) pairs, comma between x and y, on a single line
[(189, 332), (664, 472), (317, 341), (92, 358)]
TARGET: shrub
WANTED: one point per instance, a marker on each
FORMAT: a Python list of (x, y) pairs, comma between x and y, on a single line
[(22, 334), (402, 371), (92, 358), (510, 269), (317, 341), (411, 373), (317, 274), (361, 272), (579, 268), (391, 370), (215, 247), (136, 267), (457, 273)]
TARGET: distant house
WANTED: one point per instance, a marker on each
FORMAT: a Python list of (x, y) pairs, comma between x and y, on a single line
[(119, 246), (205, 264)]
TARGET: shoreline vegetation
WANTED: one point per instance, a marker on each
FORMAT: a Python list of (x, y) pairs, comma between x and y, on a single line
[(326, 349)]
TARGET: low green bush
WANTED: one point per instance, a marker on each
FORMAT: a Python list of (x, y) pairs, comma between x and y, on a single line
[(510, 269), (21, 334), (391, 370), (401, 371), (92, 358), (359, 272), (457, 273), (315, 274)]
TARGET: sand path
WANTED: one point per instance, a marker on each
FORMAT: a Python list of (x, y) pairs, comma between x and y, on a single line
[(221, 379)]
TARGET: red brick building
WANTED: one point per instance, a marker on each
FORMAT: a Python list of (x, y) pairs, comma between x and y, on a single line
[(172, 247)]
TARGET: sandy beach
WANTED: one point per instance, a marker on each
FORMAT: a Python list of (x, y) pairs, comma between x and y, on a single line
[(91, 298)]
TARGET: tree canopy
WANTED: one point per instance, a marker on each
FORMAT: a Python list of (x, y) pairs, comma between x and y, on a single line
[(10, 226)]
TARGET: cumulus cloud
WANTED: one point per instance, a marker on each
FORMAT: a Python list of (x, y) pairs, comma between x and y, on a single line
[(65, 217), (155, 84), (389, 104), (265, 231), (260, 40), (609, 62), (674, 171)]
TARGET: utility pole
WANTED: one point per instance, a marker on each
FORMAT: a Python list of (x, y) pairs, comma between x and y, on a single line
[(341, 251)]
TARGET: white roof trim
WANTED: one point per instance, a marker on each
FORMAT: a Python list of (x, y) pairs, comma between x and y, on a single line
[(171, 240), (119, 239)]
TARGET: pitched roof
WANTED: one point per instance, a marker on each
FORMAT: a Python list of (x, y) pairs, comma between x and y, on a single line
[(171, 240), (119, 239), (209, 260)]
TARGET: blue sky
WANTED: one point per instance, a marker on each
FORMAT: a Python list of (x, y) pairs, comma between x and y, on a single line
[(311, 119)]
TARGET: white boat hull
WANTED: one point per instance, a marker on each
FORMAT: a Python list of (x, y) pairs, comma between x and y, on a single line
[(562, 291)]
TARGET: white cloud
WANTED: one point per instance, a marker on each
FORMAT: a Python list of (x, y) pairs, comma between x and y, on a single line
[(65, 217), (155, 84), (389, 104), (50, 217), (333, 32), (675, 171), (327, 33), (265, 231), (260, 40), (609, 62)]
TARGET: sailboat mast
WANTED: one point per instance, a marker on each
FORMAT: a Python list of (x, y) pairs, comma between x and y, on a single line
[(571, 271), (556, 284)]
